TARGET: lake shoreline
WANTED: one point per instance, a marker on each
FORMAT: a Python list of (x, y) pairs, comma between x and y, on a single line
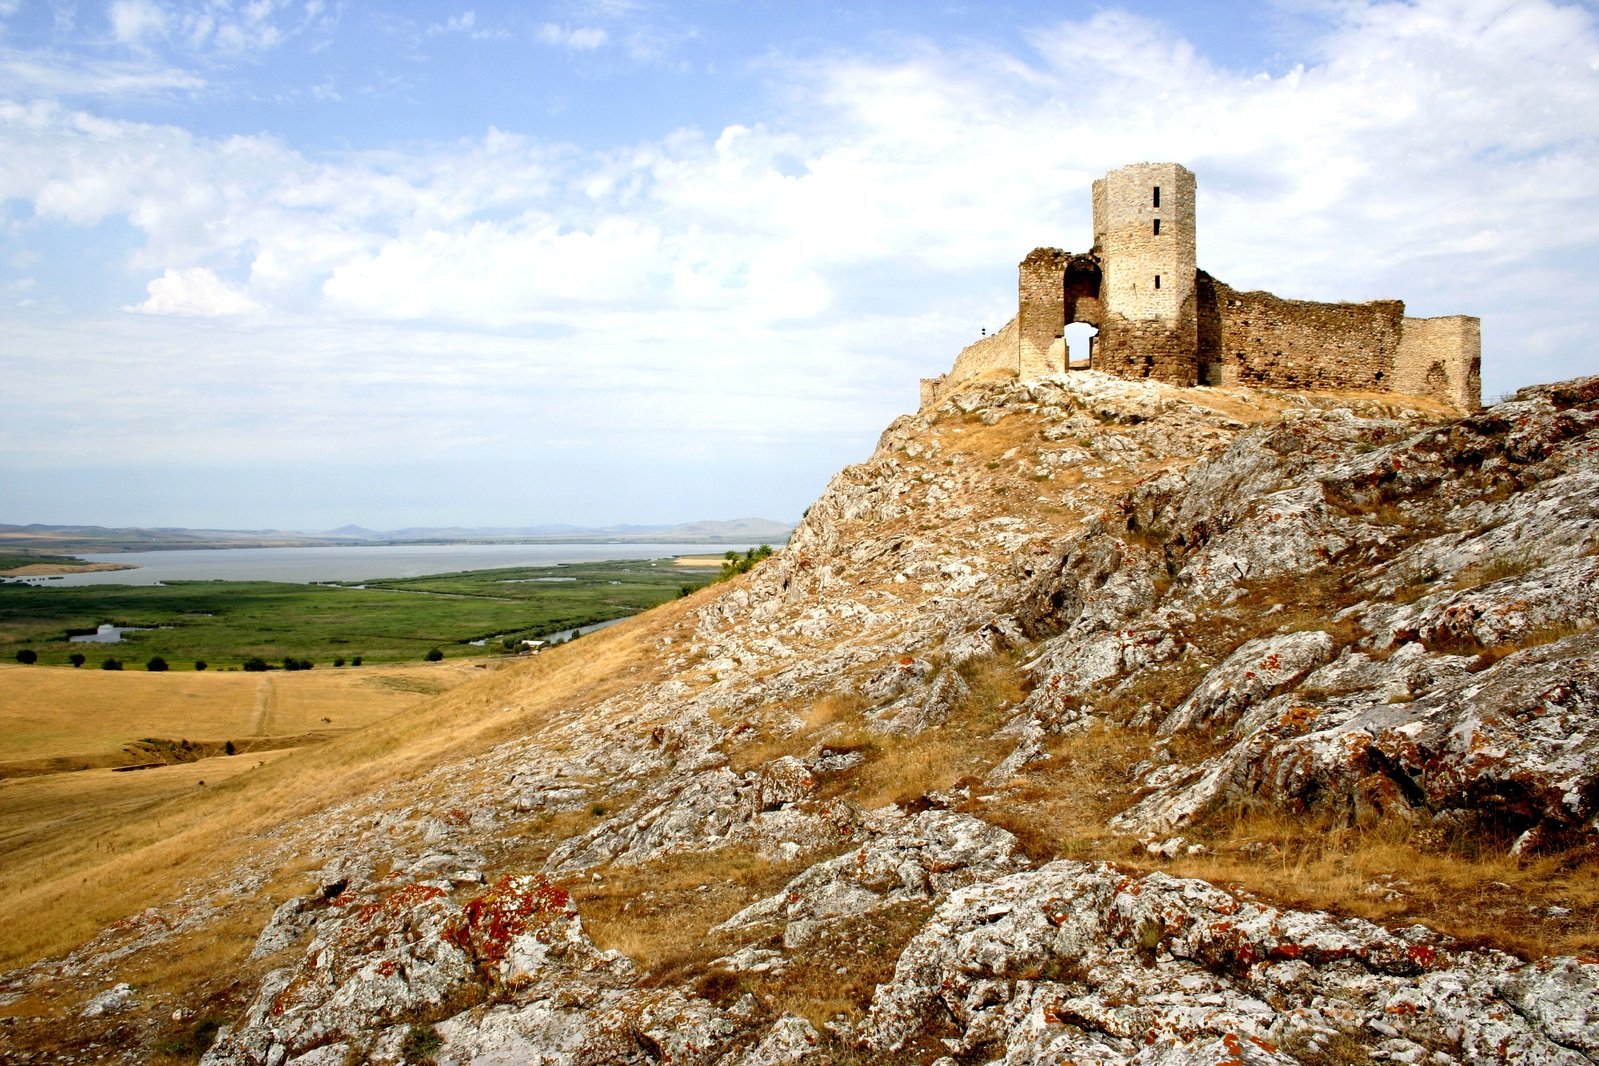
[(351, 564)]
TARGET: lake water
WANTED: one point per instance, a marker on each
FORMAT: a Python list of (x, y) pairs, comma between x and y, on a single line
[(356, 563)]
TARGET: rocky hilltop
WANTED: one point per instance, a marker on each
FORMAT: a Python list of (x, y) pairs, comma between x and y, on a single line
[(1087, 721)]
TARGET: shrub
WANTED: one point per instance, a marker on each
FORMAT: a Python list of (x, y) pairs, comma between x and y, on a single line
[(77, 659), (27, 656), (199, 664), (256, 665), (191, 1043), (111, 664), (737, 564), (433, 655), (338, 662), (421, 1043), (229, 749), (355, 661), (290, 663), (156, 665)]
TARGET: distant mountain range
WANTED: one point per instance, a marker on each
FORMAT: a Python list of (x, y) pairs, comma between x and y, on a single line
[(49, 538)]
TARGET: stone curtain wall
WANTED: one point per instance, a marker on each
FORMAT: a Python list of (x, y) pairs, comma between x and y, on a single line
[(1442, 357), (1255, 338), (997, 351), (1146, 243)]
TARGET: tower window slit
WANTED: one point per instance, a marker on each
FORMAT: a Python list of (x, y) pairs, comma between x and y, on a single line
[(1157, 227), (1157, 281), (1157, 196)]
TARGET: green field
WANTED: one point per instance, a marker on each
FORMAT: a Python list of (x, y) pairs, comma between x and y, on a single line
[(225, 623)]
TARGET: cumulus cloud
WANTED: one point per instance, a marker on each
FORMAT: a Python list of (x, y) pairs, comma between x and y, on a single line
[(194, 292), (1443, 135), (136, 22)]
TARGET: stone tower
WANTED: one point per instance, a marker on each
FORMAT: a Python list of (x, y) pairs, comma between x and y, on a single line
[(1144, 235)]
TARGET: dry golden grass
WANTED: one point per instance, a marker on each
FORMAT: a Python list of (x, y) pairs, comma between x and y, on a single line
[(903, 771), (662, 915), (1461, 882), (70, 812), (147, 860), (56, 717)]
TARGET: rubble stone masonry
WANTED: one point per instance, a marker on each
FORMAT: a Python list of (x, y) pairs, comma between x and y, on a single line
[(1255, 338)]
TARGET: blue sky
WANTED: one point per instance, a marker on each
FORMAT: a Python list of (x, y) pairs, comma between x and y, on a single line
[(297, 264)]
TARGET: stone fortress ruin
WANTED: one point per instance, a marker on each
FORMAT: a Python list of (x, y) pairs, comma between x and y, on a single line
[(1161, 317)]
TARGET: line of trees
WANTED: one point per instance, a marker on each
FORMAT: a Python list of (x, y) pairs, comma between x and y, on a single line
[(254, 664), (738, 564)]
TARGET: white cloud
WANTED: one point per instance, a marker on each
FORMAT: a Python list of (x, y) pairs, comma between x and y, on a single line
[(216, 28), (800, 268), (194, 292), (575, 38), (136, 22), (466, 24), (49, 76)]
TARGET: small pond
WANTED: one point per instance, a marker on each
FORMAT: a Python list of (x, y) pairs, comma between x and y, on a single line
[(106, 634)]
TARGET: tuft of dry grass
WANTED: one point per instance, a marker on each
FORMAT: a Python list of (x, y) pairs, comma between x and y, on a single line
[(1510, 563), (660, 914), (1532, 637), (1059, 807)]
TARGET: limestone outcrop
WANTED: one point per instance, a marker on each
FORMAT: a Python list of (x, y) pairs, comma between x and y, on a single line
[(845, 808)]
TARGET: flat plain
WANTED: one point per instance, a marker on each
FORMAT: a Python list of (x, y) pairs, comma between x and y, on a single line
[(227, 623)]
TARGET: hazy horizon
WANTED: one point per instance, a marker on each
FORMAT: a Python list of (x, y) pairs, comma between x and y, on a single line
[(532, 528)]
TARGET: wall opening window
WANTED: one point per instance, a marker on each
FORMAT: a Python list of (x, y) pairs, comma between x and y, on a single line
[(1157, 227), (1157, 281), (1080, 338), (1157, 196)]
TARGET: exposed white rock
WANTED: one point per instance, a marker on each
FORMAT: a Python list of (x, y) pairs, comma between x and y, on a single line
[(1079, 963)]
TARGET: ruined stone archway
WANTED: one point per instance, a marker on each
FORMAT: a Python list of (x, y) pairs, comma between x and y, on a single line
[(1056, 289)]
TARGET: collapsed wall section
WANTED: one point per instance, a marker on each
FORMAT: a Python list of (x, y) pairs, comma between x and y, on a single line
[(1041, 310), (1054, 288), (1442, 358), (1255, 338)]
